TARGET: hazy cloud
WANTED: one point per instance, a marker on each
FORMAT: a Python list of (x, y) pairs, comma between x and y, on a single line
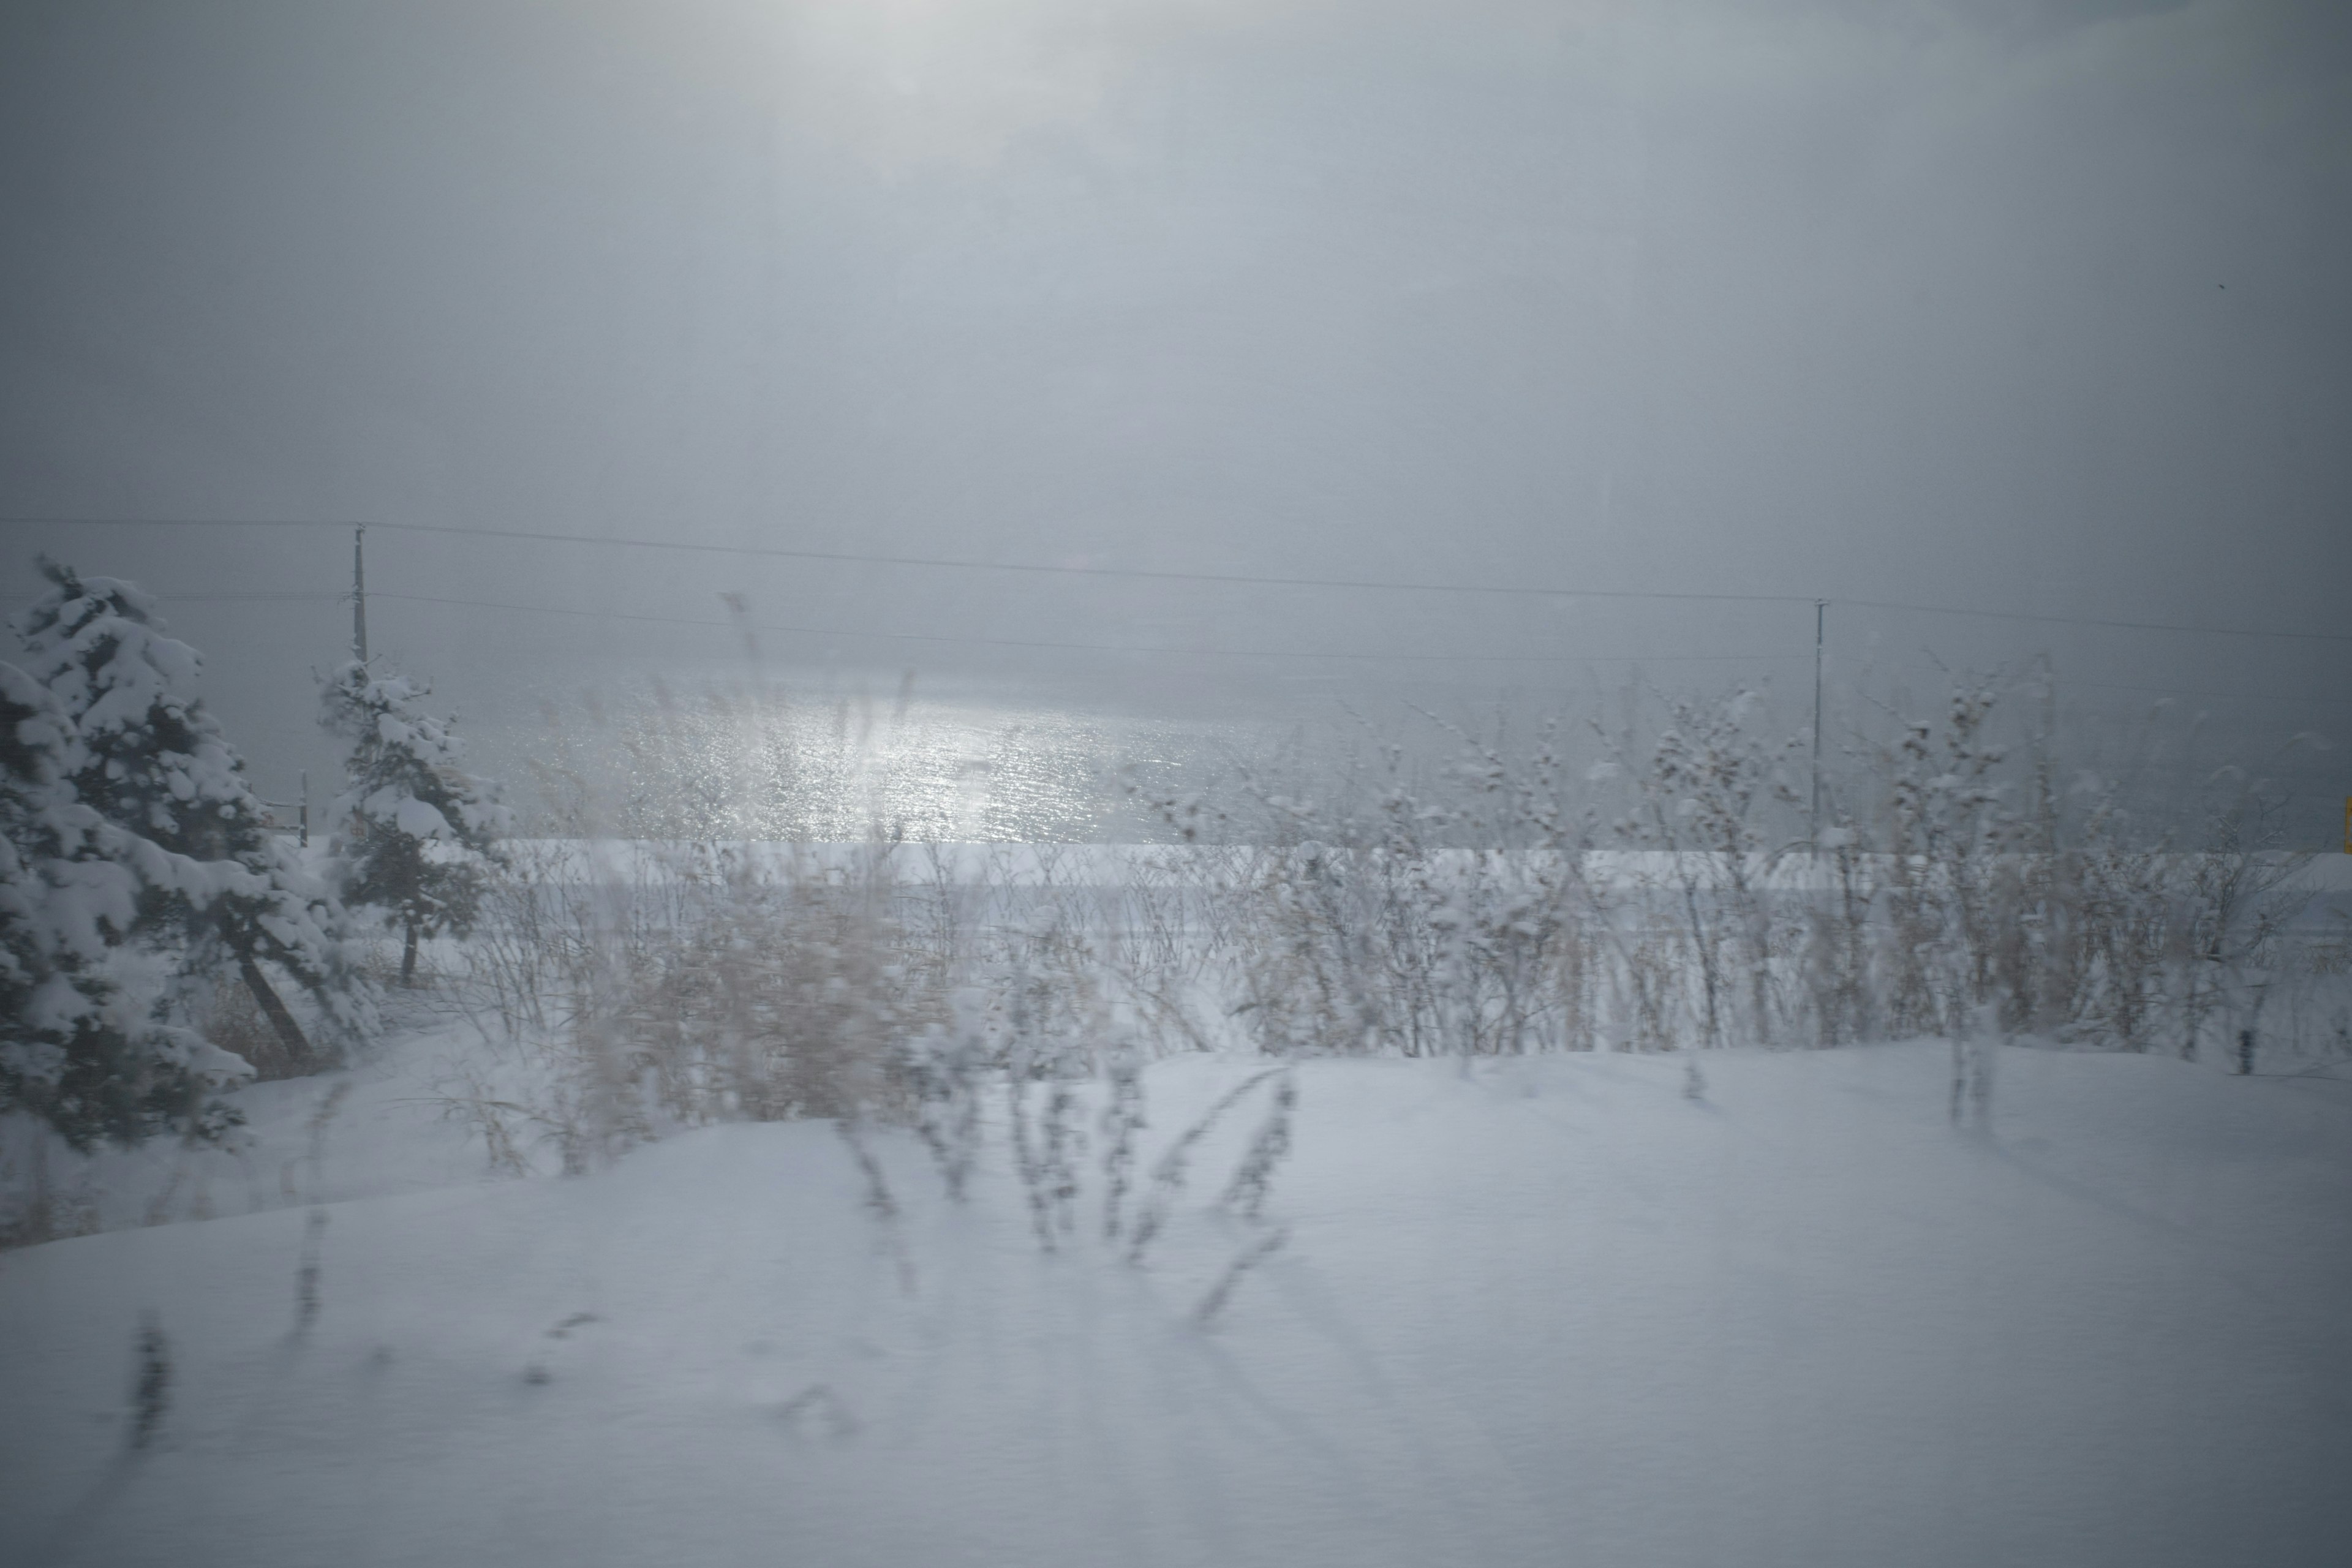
[(908, 81)]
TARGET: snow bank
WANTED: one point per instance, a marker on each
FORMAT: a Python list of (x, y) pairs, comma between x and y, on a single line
[(1545, 1312)]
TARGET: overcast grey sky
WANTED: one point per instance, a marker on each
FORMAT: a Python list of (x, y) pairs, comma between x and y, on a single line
[(2019, 307)]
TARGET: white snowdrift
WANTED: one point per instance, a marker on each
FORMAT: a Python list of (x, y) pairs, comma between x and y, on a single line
[(1548, 1312)]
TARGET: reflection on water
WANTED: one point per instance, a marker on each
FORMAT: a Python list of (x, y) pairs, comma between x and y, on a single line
[(769, 763)]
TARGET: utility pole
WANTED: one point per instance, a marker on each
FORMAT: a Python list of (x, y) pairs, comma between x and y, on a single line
[(1820, 621), (306, 808), (359, 591)]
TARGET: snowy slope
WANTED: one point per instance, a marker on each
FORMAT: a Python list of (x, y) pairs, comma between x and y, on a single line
[(1548, 1312)]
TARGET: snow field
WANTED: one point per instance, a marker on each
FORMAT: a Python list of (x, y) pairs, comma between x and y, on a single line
[(1544, 1311)]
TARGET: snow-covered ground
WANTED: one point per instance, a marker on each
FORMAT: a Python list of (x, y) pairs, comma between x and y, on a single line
[(1546, 1312)]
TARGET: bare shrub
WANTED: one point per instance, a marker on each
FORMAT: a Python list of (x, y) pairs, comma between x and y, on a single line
[(726, 985), (1674, 898)]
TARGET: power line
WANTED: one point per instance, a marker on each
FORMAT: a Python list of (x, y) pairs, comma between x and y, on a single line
[(1091, 646), (2097, 621), (949, 562), (319, 596), (310, 593), (1039, 568), (180, 522), (1146, 573)]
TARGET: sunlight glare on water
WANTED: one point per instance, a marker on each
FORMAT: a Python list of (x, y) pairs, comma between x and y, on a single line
[(776, 763)]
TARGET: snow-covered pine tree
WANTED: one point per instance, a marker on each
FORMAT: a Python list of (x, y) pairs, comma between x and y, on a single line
[(154, 763), (414, 833), (75, 1049)]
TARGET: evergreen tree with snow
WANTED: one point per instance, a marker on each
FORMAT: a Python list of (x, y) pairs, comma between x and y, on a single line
[(154, 763), (76, 1046), (416, 835)]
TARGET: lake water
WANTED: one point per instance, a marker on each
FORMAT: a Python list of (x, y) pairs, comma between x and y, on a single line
[(707, 759)]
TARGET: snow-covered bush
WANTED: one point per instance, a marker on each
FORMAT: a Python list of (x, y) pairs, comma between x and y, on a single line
[(78, 1046), (154, 763), (2061, 910), (1709, 776), (415, 835), (1475, 901), (1676, 896), (1425, 916)]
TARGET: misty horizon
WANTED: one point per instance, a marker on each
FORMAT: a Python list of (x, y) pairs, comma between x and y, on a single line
[(2029, 311)]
